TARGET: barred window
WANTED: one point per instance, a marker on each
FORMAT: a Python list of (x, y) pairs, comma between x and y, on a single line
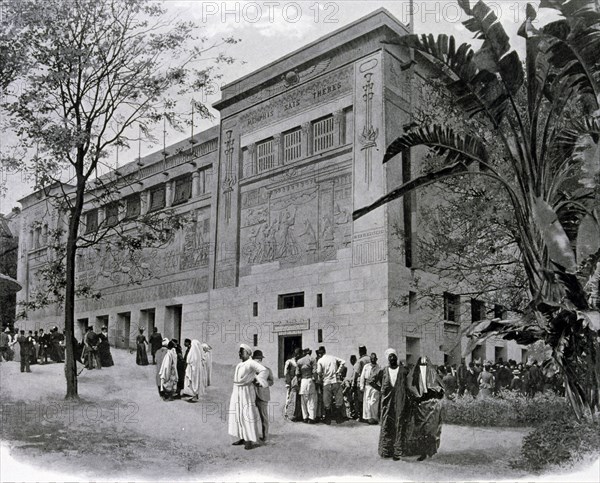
[(291, 145), (132, 206), (91, 221), (112, 214), (265, 155), (157, 198), (323, 134), (477, 310), (183, 189)]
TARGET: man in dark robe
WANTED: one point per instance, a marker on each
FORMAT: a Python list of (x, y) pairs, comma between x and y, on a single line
[(425, 391), (26, 345), (180, 368), (391, 382), (155, 343), (43, 341)]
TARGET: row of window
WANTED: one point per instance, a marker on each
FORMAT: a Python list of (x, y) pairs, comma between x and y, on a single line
[(157, 200), (478, 309), (322, 134)]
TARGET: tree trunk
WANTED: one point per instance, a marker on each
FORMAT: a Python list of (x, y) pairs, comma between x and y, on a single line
[(72, 235)]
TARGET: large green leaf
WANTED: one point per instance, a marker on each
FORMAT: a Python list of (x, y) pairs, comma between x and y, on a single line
[(476, 90), (588, 237), (444, 141), (555, 238)]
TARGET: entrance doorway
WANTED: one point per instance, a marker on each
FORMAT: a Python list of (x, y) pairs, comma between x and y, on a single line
[(173, 322), (287, 345), (147, 320), (123, 330)]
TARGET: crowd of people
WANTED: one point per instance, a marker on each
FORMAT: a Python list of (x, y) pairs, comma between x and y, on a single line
[(33, 347), (488, 379), (404, 401)]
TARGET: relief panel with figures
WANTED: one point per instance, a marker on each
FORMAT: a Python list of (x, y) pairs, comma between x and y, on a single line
[(102, 267), (300, 217)]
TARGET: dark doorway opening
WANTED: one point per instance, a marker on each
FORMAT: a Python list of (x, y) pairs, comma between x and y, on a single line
[(287, 344)]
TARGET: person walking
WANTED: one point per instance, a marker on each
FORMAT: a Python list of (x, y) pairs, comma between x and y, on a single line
[(155, 343), (329, 372), (308, 393)]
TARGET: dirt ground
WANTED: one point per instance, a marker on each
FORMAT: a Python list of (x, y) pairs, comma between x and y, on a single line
[(122, 430)]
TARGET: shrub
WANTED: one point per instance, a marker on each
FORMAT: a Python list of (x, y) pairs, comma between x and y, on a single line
[(558, 442), (507, 409)]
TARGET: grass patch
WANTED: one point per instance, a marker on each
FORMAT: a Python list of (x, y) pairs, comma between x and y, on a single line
[(508, 409)]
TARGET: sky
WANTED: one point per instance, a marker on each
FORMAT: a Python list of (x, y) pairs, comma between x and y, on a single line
[(271, 29)]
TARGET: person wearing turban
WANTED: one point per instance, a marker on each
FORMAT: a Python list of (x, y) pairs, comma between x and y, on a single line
[(168, 373), (244, 418), (391, 383), (426, 392), (160, 355), (195, 372)]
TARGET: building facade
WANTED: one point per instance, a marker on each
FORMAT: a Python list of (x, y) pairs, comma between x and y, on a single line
[(269, 254)]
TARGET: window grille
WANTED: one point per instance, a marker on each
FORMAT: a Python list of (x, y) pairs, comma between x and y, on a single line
[(183, 189), (292, 142), (112, 214), (323, 134), (265, 155), (91, 221), (132, 206), (157, 198)]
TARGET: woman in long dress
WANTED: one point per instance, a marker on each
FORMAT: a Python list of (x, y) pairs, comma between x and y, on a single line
[(104, 348), (195, 372), (486, 381), (141, 358)]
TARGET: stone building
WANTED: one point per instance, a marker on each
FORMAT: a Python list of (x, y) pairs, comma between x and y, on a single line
[(270, 255)]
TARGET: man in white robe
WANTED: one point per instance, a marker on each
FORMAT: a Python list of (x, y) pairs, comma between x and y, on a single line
[(244, 418), (168, 373), (195, 373), (371, 395)]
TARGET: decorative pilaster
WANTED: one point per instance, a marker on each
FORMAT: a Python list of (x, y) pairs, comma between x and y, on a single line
[(307, 139), (338, 128), (168, 193), (277, 149), (196, 184)]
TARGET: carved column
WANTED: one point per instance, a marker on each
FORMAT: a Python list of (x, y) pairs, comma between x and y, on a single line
[(307, 139), (338, 128), (168, 193), (249, 160), (144, 201), (196, 184), (278, 149)]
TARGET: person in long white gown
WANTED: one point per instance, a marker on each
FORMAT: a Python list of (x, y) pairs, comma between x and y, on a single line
[(168, 373), (207, 362), (371, 395), (195, 372), (244, 418)]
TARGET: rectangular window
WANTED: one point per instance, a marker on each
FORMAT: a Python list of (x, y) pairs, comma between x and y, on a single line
[(255, 340), (91, 221), (265, 155), (451, 307), (319, 300), (451, 328), (320, 335), (255, 309), (132, 206), (290, 300), (499, 312), (323, 134), (183, 189), (157, 198), (477, 310), (111, 212), (292, 142)]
